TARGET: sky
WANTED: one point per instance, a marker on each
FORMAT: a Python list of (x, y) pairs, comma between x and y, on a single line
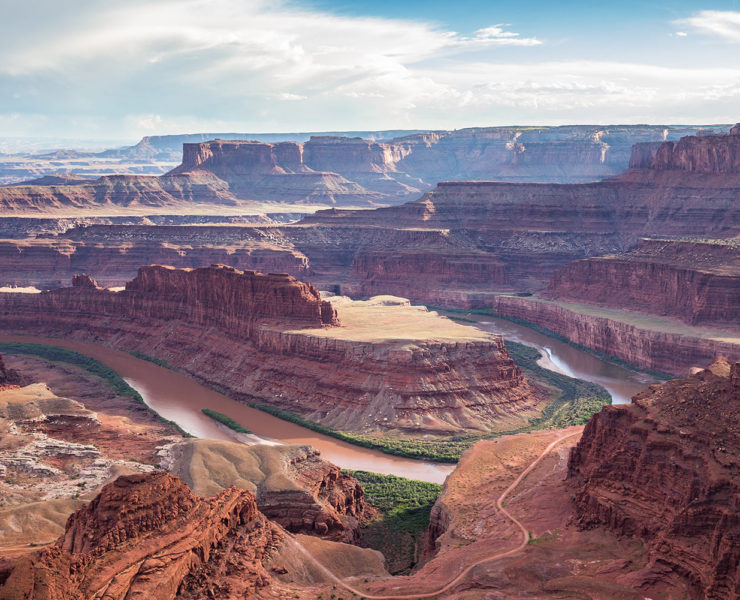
[(113, 69)]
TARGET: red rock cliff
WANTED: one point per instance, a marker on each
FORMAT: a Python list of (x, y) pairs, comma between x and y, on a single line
[(696, 282), (665, 468), (147, 536), (226, 297), (210, 296), (674, 352), (709, 154)]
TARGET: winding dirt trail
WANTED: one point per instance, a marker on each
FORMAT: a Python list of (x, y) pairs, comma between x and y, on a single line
[(460, 576)]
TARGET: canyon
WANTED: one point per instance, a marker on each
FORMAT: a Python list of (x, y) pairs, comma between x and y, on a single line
[(534, 229), (643, 267), (608, 510), (668, 224), (271, 339), (653, 343)]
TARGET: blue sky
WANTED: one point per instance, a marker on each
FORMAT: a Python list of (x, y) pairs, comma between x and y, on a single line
[(122, 69)]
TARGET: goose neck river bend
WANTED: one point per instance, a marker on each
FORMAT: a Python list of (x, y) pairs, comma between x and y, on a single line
[(179, 398)]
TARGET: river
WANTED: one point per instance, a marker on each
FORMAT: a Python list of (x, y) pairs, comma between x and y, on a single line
[(622, 383), (179, 398)]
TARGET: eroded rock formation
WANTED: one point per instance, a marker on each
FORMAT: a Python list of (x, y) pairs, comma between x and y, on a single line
[(694, 154), (114, 253), (272, 339), (293, 485), (665, 469), (148, 536), (533, 229)]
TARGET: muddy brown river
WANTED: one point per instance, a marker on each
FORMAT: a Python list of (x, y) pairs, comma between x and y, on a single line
[(179, 398)]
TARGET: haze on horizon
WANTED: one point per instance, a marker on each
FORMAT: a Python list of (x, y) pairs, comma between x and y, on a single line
[(85, 69)]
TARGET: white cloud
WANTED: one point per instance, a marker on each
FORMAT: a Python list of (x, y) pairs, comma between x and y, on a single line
[(149, 122), (681, 34), (722, 24), (137, 67), (289, 96)]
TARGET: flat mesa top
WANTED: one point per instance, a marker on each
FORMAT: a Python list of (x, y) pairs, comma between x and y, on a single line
[(393, 319)]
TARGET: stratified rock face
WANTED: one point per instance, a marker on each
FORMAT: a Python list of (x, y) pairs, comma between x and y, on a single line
[(378, 272), (273, 172), (272, 339), (333, 505), (216, 296), (339, 170), (117, 193), (147, 536), (532, 229), (665, 468), (660, 346), (113, 254), (716, 154), (696, 282)]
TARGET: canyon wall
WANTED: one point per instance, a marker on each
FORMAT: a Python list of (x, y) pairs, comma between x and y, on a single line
[(664, 469), (455, 246), (265, 338), (118, 193), (692, 154), (696, 282), (631, 338), (50, 262)]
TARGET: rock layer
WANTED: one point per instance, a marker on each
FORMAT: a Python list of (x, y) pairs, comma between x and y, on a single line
[(531, 229), (660, 346), (696, 282), (324, 169), (293, 485), (665, 469), (705, 154)]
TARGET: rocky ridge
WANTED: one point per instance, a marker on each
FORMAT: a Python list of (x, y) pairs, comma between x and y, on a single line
[(665, 469), (149, 536)]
